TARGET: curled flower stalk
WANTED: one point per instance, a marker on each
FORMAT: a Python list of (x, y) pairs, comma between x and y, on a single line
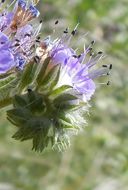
[(46, 83)]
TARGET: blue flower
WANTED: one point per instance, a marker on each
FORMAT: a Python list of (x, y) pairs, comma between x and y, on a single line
[(75, 71), (6, 61), (6, 57)]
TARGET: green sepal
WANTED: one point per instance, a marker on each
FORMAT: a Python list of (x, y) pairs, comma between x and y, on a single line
[(43, 70), (35, 102), (7, 89), (55, 79), (49, 76), (60, 90), (6, 79), (19, 101), (19, 115), (28, 75), (63, 98)]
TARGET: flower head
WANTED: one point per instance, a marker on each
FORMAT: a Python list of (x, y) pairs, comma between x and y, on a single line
[(17, 35), (76, 70)]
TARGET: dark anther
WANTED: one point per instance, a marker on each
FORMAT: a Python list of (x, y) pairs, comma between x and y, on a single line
[(66, 31), (92, 42), (41, 21), (2, 1), (108, 83), (38, 38), (56, 22), (17, 44), (108, 74), (91, 54), (100, 52), (29, 90), (36, 59), (17, 40), (104, 65), (38, 41), (110, 67), (79, 56), (73, 32), (90, 49), (27, 35), (75, 56)]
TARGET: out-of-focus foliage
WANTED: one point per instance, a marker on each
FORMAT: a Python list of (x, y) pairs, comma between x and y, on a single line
[(98, 158)]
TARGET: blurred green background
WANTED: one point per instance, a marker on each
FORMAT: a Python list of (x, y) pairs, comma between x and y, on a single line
[(97, 158)]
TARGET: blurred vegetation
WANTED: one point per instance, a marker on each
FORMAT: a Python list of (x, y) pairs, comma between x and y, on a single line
[(97, 158)]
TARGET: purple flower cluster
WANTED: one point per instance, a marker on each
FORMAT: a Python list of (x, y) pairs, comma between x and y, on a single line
[(17, 36), (75, 70), (17, 46)]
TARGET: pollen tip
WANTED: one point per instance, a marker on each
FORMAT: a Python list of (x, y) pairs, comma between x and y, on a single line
[(66, 31), (105, 66), (56, 22), (29, 90), (2, 1), (79, 56), (75, 56), (92, 42), (38, 38), (36, 59), (108, 83), (100, 52), (91, 54), (73, 32), (110, 66)]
